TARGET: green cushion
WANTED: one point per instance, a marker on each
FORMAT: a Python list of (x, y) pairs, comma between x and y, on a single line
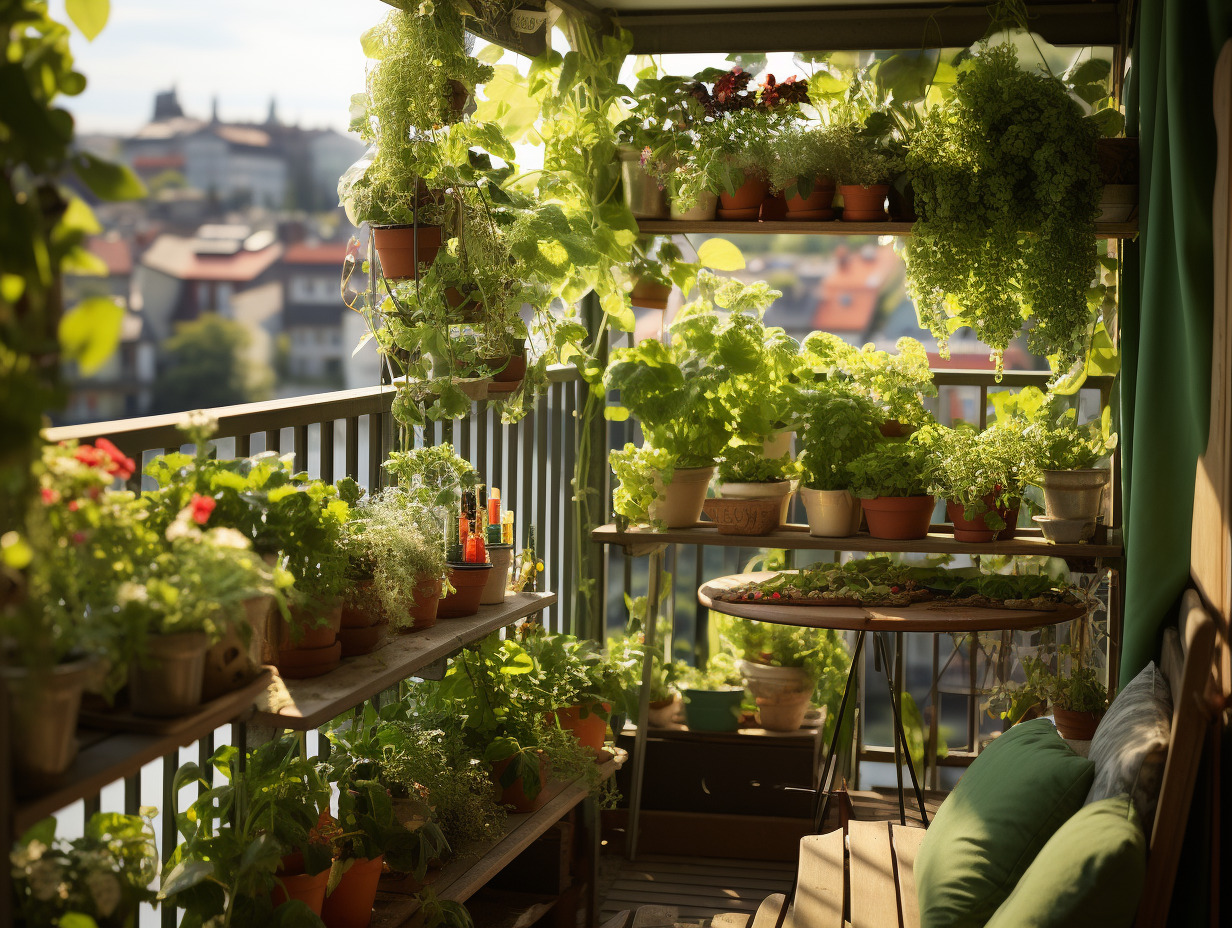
[(1019, 791), (1089, 873)]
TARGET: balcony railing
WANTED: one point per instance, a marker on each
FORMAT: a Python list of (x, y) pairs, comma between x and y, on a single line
[(351, 432)]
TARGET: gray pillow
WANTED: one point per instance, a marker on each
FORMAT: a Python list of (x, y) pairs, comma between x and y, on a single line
[(1130, 746)]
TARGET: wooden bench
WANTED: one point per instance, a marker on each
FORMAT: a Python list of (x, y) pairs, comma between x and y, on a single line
[(866, 879)]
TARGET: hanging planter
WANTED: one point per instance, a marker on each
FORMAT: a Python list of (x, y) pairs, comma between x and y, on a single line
[(508, 371), (167, 681), (403, 248), (42, 717)]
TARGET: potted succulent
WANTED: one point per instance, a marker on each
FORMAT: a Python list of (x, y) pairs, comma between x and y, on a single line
[(58, 631), (865, 166), (1070, 475), (572, 676), (891, 482), (100, 879), (839, 427), (712, 695), (786, 667), (803, 169), (253, 849), (981, 475), (753, 491)]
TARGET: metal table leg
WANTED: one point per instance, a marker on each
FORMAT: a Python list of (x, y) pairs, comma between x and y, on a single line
[(901, 738), (821, 798)]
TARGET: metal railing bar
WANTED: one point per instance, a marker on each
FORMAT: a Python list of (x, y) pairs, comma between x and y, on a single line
[(327, 450), (273, 440), (351, 447), (300, 444), (541, 502), (132, 794), (375, 431), (565, 481)]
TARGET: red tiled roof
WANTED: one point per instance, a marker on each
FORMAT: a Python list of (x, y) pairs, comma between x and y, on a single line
[(324, 253), (1015, 360), (846, 311), (114, 252), (853, 288), (175, 257), (151, 163)]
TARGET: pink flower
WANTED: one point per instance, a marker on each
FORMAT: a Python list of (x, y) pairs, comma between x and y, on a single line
[(50, 496)]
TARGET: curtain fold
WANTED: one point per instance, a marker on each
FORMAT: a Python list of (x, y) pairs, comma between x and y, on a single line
[(1166, 307)]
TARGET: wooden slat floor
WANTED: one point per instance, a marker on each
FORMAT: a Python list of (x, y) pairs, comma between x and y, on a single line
[(699, 887)]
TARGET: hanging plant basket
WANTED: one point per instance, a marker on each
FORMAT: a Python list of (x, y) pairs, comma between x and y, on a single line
[(403, 248)]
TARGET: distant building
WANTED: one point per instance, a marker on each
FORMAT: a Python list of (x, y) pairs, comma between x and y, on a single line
[(313, 313), (856, 287), (237, 165)]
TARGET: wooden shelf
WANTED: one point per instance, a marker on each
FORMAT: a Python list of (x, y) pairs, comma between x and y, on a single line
[(302, 705), (471, 871), (796, 537), (833, 227), (106, 756)]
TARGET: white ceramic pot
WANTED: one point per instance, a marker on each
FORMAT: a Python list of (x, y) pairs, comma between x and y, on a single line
[(680, 502), (1074, 494), (774, 448), (703, 211), (782, 694), (831, 513), (780, 489)]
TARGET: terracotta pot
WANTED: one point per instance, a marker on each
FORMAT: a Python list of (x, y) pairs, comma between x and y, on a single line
[(294, 883), (702, 211), (511, 370), (899, 518), (497, 586), (976, 530), (783, 711), (892, 428), (167, 682), (403, 248), (42, 718), (468, 581), (301, 663), (817, 206), (363, 609), (364, 639), (773, 208), (680, 502), (350, 904), (591, 730), (514, 795), (864, 204), (662, 712), (1076, 726), (231, 662), (831, 513), (745, 203), (744, 516), (308, 631), (427, 600), (650, 294)]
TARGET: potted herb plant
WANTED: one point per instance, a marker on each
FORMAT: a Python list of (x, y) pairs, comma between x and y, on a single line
[(661, 111), (751, 483), (981, 475), (864, 167), (803, 170), (626, 654), (1063, 681), (712, 695), (650, 271), (891, 482), (897, 383), (1072, 481), (100, 879), (839, 427), (570, 675)]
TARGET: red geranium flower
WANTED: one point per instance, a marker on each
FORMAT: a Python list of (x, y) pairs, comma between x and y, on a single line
[(118, 464), (202, 506), (50, 496)]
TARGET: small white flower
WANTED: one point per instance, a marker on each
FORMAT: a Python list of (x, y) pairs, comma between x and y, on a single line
[(131, 592), (201, 420), (105, 890), (183, 527), (225, 537)]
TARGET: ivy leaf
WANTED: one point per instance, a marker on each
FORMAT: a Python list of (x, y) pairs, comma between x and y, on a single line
[(90, 332), (1094, 70), (90, 16), (107, 180), (490, 54), (721, 255)]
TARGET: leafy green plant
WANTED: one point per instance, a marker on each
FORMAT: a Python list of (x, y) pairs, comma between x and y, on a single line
[(969, 467), (433, 474), (719, 673), (236, 834), (802, 155), (1058, 680), (626, 653), (1061, 443), (642, 473), (897, 383), (820, 653), (861, 159), (747, 464), (98, 880), (839, 427), (890, 469), (1007, 190), (568, 671)]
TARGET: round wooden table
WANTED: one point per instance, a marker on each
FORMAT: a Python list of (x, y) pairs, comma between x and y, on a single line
[(929, 617)]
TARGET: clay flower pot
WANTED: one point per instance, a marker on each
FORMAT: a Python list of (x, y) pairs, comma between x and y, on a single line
[(510, 371), (350, 904), (468, 581), (591, 729), (167, 681), (42, 717), (316, 652), (745, 202), (744, 516), (294, 883), (427, 600), (892, 428), (816, 207), (899, 518), (775, 489), (864, 204), (650, 293), (976, 530), (681, 498), (773, 208), (1076, 726), (831, 513), (402, 248), (231, 662), (497, 586), (514, 795)]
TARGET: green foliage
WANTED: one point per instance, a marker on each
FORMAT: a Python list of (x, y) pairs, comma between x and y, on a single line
[(860, 159), (205, 365), (1061, 679), (897, 383), (236, 834), (819, 652), (568, 671), (839, 427), (803, 154), (1007, 190), (434, 475), (890, 469), (627, 653), (747, 464), (719, 673), (642, 474), (102, 877), (966, 466)]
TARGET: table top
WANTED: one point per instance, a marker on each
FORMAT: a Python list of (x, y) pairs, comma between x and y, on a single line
[(919, 617)]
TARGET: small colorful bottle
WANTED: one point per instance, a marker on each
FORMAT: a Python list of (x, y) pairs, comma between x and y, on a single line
[(507, 528)]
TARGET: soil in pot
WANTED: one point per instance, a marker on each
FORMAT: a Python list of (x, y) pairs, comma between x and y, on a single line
[(745, 202), (899, 518), (976, 530), (294, 883), (680, 505), (702, 211), (425, 605), (42, 710), (468, 581), (864, 204), (773, 208), (818, 206), (713, 710), (167, 681), (350, 904), (514, 796), (1076, 726), (831, 513), (650, 293), (403, 248), (590, 728)]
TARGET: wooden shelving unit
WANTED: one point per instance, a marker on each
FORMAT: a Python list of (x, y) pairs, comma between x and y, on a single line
[(796, 537), (471, 871), (833, 227), (303, 705)]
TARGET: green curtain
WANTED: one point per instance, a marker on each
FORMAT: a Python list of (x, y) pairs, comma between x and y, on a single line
[(1167, 305)]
